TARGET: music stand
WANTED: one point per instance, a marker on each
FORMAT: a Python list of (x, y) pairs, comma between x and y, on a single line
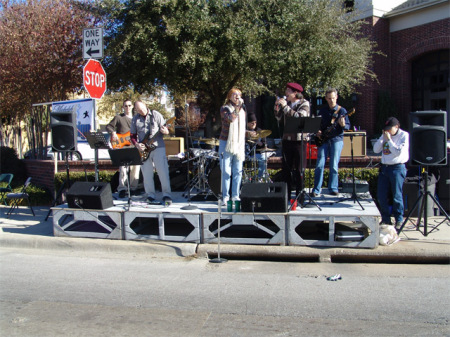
[(354, 196), (126, 156), (302, 125), (96, 141)]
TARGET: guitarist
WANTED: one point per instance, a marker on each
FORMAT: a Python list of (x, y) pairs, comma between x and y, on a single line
[(150, 124), (334, 122), (120, 124)]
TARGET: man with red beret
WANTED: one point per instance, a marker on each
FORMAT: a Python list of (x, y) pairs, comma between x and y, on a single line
[(293, 105)]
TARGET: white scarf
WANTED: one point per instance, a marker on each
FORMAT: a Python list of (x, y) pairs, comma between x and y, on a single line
[(236, 136)]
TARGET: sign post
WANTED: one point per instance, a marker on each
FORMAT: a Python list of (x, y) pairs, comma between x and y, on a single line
[(94, 79)]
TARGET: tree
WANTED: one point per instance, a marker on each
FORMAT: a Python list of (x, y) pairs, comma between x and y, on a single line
[(209, 46), (40, 60)]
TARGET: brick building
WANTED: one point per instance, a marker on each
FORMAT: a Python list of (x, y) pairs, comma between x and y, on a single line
[(413, 75)]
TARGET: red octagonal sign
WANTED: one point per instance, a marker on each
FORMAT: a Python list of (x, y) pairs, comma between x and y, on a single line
[(94, 79)]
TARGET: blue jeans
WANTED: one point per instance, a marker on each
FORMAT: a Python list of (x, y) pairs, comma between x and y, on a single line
[(332, 149), (390, 179), (231, 169)]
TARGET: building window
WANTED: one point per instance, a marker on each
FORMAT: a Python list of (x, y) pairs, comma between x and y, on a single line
[(430, 81), (349, 5)]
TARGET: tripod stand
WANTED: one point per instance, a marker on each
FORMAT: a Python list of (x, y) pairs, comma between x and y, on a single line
[(302, 125), (65, 184), (423, 200), (126, 156), (354, 196)]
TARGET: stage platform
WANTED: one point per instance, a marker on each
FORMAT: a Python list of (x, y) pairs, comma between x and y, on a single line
[(338, 223)]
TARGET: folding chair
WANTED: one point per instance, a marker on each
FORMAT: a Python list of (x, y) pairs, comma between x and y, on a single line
[(16, 198), (5, 178)]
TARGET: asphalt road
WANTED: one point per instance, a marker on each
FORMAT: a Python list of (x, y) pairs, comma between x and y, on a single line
[(69, 293)]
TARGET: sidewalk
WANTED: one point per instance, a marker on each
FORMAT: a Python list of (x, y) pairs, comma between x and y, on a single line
[(23, 230)]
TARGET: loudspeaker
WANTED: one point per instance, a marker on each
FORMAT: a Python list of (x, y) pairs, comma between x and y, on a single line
[(90, 195), (64, 130), (428, 138), (264, 198)]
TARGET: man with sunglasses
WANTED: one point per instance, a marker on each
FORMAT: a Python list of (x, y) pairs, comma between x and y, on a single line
[(120, 124)]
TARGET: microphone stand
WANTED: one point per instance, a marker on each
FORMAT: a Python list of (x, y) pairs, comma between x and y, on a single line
[(218, 259), (189, 206)]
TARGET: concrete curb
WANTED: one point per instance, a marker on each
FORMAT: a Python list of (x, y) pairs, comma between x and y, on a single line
[(401, 252), (106, 246)]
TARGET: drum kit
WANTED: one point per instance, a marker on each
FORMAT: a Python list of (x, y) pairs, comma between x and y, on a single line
[(206, 167), (250, 173)]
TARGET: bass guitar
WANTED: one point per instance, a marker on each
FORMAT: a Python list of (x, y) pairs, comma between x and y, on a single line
[(124, 140), (326, 134), (149, 143)]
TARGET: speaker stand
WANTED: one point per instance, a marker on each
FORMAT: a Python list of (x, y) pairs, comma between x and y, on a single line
[(423, 200), (61, 189)]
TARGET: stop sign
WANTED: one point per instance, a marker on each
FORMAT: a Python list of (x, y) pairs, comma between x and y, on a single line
[(94, 79)]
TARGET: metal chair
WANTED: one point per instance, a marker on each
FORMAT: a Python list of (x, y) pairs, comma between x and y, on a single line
[(16, 198), (5, 178)]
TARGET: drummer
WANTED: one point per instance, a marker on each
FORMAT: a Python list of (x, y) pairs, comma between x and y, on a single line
[(260, 152)]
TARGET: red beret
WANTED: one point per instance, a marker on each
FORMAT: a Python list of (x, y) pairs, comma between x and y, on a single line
[(295, 87)]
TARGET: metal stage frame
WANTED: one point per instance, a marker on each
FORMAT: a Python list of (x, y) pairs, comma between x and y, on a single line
[(335, 224)]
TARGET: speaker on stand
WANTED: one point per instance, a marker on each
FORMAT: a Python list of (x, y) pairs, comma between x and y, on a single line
[(428, 147), (64, 130)]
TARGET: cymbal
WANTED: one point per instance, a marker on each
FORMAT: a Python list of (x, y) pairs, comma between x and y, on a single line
[(210, 141), (262, 134), (266, 149)]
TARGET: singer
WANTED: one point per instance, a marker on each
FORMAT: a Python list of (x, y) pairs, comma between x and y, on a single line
[(293, 105), (232, 144)]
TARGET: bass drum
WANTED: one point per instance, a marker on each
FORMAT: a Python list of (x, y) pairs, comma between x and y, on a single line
[(214, 177)]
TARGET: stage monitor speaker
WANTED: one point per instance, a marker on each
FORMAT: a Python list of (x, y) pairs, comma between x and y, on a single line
[(264, 198), (428, 138), (174, 145), (90, 195), (64, 130)]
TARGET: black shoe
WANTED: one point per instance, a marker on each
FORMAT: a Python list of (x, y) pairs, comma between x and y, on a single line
[(313, 195), (122, 194), (152, 201), (135, 192), (334, 193), (167, 201)]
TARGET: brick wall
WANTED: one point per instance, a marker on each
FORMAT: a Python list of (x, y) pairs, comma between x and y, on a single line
[(408, 44)]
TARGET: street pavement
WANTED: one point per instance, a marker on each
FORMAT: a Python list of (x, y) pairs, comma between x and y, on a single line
[(25, 231)]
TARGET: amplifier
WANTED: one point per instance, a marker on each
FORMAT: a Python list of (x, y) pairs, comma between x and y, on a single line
[(361, 186), (264, 198), (174, 145)]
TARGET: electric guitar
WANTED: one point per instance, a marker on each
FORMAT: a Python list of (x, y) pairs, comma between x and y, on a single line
[(124, 140), (149, 143), (326, 134)]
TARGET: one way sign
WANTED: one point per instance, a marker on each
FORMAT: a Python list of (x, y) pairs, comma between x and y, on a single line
[(92, 43)]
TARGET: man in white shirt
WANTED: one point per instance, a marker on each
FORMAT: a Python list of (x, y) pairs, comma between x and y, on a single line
[(394, 145)]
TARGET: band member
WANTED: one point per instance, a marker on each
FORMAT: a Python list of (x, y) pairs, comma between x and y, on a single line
[(334, 122), (294, 105), (254, 146), (394, 145), (120, 124), (232, 144), (150, 125)]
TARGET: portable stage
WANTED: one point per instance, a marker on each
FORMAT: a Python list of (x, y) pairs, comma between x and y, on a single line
[(334, 222)]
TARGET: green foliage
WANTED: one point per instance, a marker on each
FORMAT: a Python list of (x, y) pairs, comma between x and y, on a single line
[(368, 174), (209, 46), (60, 177), (10, 163)]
